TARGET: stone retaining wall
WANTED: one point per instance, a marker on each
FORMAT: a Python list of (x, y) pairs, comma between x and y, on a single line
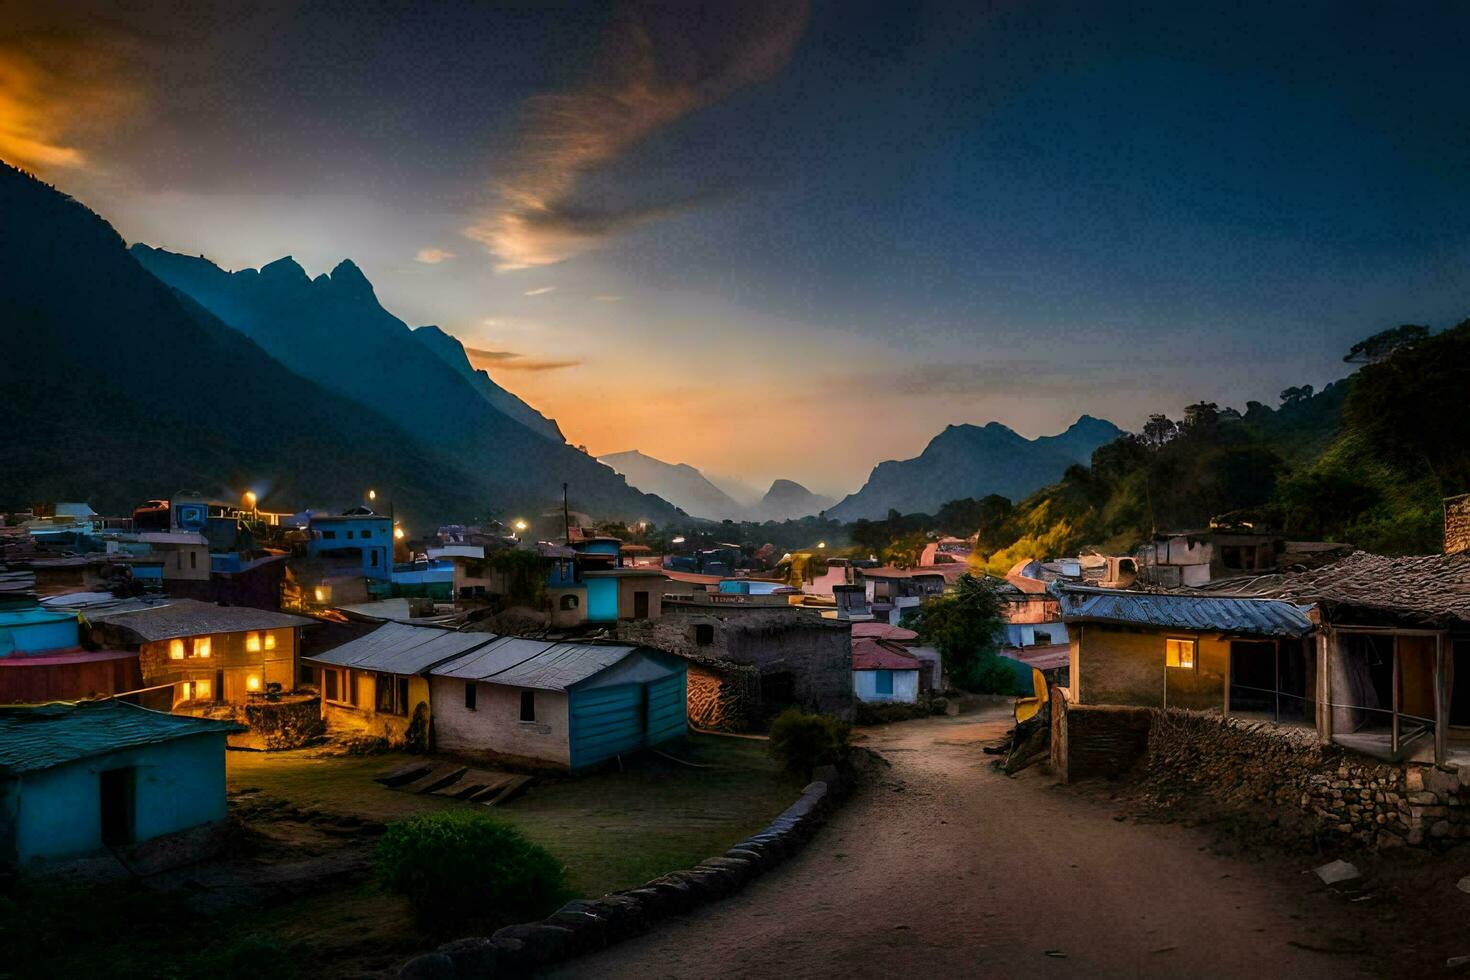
[(1270, 772), (587, 925)]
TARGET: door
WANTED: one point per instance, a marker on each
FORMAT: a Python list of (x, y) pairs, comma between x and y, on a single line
[(116, 801), (640, 605)]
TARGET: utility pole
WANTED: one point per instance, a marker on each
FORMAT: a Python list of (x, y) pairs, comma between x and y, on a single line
[(566, 514)]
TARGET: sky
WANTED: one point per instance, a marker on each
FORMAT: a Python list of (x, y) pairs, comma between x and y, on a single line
[(774, 240)]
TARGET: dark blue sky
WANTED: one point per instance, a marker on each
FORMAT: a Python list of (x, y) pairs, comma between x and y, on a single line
[(771, 227)]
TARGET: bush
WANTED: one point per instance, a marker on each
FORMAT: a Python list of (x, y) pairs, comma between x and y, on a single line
[(460, 869), (802, 742)]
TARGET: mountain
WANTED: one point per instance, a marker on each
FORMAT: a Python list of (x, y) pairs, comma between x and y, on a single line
[(452, 351), (332, 330), (973, 461), (117, 389), (679, 483), (787, 500)]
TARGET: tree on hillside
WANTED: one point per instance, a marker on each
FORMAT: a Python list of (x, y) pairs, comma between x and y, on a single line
[(963, 518), (1386, 343), (963, 626), (1293, 395), (1158, 430)]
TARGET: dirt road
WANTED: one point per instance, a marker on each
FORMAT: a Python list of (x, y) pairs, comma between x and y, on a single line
[(943, 866)]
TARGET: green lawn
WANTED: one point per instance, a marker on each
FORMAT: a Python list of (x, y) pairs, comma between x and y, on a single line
[(611, 829)]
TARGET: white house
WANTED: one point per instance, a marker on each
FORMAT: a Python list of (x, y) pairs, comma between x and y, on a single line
[(883, 672)]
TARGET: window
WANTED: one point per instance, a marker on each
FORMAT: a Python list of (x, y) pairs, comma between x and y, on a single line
[(329, 685), (252, 683), (176, 649), (401, 706), (116, 794), (193, 559), (383, 684), (179, 560), (883, 682), (1041, 638), (196, 690), (349, 535), (469, 696), (252, 642), (365, 534), (329, 535), (1180, 653), (528, 706), (569, 602), (201, 647), (270, 641), (704, 634)]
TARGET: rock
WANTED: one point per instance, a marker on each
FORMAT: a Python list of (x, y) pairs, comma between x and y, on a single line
[(429, 966), (627, 914), (588, 929), (755, 859), (828, 775), (474, 957), (1457, 962), (1464, 884), (1334, 871), (1439, 781), (540, 943), (951, 708), (653, 903), (1423, 798), (1440, 828), (1413, 780)]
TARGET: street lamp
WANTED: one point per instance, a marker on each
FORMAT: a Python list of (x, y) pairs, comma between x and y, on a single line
[(372, 495), (821, 544), (520, 525), (398, 534)]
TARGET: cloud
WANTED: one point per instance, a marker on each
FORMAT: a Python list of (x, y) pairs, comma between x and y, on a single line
[(432, 256), (59, 93), (607, 298), (504, 360), (540, 292), (660, 63)]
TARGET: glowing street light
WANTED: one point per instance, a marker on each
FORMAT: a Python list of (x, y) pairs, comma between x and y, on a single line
[(679, 539), (821, 544), (520, 525), (250, 499), (372, 495), (398, 534)]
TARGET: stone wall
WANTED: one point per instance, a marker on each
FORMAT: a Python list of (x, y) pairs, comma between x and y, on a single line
[(1457, 524), (802, 658), (1097, 740), (723, 697), (1283, 775)]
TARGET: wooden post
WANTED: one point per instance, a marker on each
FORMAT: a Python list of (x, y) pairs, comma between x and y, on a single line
[(1393, 742), (1277, 686), (1441, 709)]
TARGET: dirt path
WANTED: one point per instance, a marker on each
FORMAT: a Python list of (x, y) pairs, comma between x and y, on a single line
[(943, 865)]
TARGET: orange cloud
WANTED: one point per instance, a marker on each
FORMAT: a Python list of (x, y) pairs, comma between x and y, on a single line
[(433, 256), (58, 94), (504, 360), (662, 62)]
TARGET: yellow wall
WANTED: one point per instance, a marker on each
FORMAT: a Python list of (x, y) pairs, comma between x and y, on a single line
[(227, 654), (363, 717), (1115, 665)]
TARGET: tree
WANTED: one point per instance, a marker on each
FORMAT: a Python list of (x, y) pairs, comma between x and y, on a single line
[(963, 626), (1158, 430), (1384, 344), (1201, 417), (1292, 396)]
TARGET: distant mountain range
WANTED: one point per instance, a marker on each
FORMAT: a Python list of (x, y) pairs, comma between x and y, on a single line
[(689, 489), (973, 461), (118, 388)]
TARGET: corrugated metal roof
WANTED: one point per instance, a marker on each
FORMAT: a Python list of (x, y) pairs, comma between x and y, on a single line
[(1210, 614), (541, 664), (39, 737), (190, 617), (398, 648)]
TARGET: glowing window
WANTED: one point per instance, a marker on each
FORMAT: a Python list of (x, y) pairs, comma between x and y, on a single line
[(176, 649), (252, 683), (1180, 653), (201, 646), (252, 642), (201, 690), (270, 641)]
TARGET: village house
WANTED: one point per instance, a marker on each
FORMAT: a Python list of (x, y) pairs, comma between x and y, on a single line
[(377, 684), (564, 705), (1393, 649), (1194, 558), (931, 673), (803, 659), (1224, 654), (78, 778), (893, 591), (884, 672), (194, 654)]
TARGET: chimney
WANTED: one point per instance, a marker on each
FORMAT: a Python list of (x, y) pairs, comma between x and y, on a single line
[(1457, 524)]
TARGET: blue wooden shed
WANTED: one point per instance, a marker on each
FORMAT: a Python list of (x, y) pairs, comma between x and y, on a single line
[(567, 704)]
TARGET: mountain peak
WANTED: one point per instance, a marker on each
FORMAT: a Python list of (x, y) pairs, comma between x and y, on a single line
[(349, 278), (285, 268)]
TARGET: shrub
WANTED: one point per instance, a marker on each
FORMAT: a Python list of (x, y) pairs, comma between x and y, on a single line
[(459, 868), (802, 742)]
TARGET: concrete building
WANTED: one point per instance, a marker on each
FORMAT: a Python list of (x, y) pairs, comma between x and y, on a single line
[(803, 659), (361, 536), (75, 779)]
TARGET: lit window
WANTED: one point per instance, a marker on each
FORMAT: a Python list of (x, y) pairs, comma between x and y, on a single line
[(1180, 653), (270, 641), (252, 683), (201, 646), (201, 690), (321, 596), (252, 642), (176, 649)]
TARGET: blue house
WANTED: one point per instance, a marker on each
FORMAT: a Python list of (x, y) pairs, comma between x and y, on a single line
[(567, 705), (358, 534), (34, 630), (77, 778)]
